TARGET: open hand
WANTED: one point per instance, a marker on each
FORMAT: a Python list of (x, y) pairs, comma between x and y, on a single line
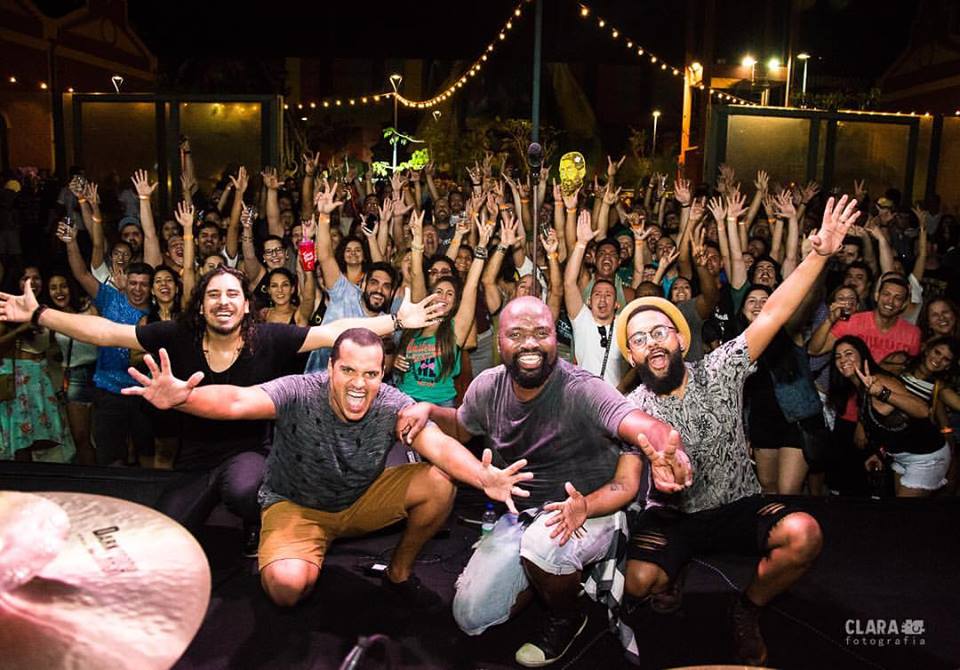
[(569, 516), (161, 389), (501, 484)]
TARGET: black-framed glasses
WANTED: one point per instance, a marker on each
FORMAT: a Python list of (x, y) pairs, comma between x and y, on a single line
[(655, 335)]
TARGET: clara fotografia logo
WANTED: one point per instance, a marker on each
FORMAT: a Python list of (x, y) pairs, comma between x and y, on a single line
[(885, 632)]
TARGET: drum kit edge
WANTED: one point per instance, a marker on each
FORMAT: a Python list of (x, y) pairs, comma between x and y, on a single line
[(89, 581)]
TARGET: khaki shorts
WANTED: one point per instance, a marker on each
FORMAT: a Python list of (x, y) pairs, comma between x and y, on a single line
[(289, 530)]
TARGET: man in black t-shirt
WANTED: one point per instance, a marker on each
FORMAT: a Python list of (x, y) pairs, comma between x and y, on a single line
[(216, 335)]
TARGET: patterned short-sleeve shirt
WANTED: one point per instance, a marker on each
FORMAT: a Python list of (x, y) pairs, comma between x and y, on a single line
[(709, 417)]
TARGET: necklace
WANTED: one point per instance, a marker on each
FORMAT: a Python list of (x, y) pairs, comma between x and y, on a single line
[(226, 363)]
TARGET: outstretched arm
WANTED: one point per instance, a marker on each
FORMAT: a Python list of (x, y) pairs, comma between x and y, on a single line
[(219, 401), (837, 219), (151, 244)]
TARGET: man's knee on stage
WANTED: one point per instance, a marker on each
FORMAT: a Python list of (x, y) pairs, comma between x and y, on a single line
[(287, 581), (798, 534)]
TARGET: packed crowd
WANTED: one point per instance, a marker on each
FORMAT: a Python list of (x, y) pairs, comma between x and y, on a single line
[(332, 245), (691, 323)]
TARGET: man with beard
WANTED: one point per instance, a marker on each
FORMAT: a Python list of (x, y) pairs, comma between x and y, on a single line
[(704, 401), (346, 300), (217, 335), (570, 426), (326, 474), (592, 322)]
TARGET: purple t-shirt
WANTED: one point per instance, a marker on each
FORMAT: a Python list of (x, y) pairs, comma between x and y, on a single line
[(568, 433)]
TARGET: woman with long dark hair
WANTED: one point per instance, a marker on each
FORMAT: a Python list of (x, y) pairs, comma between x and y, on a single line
[(79, 363), (784, 413), (896, 422), (428, 359)]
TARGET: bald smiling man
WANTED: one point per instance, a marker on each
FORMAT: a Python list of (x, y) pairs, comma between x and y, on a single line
[(583, 443)]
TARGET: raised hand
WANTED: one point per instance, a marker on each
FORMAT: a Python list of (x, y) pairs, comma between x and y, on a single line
[(921, 215), (809, 191), (18, 308), (569, 516), (736, 203), (325, 200), (698, 248), (493, 207), (386, 212), (681, 190), (571, 201), (550, 241), (416, 227), (240, 182), (613, 167), (310, 163), (609, 195), (187, 184), (247, 216), (65, 232), (837, 219), (697, 208), (638, 225), (670, 467), (870, 382), (485, 230), (270, 179), (487, 163), (784, 205), (184, 215), (475, 174), (92, 193), (161, 389), (717, 208), (557, 193), (585, 231), (860, 189), (500, 484), (418, 315), (763, 181), (141, 182), (727, 173)]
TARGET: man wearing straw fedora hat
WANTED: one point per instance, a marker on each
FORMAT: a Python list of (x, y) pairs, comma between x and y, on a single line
[(703, 401)]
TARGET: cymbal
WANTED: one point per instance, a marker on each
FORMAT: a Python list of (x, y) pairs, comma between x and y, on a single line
[(128, 589), (32, 532)]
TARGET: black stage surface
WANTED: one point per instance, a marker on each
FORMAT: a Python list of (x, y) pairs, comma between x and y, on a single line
[(882, 560)]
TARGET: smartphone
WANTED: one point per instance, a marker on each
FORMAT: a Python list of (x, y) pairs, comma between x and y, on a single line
[(845, 314), (370, 223)]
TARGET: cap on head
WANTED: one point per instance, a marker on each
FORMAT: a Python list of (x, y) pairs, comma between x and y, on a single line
[(660, 304)]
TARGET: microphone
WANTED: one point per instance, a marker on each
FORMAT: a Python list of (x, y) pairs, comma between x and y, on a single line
[(535, 160)]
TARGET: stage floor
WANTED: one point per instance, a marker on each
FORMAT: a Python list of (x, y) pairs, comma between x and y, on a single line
[(890, 560)]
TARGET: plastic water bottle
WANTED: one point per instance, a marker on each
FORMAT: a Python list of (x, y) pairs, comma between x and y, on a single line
[(488, 520)]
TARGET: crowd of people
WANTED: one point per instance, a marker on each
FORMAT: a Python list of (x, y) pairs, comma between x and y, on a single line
[(685, 348)]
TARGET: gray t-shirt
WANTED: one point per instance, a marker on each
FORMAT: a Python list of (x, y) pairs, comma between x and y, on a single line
[(567, 433), (318, 460), (709, 418)]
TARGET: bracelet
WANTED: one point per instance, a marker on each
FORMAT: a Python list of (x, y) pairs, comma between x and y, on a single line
[(682, 206), (884, 395), (524, 200), (81, 200), (502, 248), (96, 219), (481, 252), (143, 197), (35, 317), (571, 211), (415, 247), (555, 256)]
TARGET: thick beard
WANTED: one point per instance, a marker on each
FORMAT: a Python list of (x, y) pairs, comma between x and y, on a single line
[(530, 379), (382, 308), (670, 382), (221, 330)]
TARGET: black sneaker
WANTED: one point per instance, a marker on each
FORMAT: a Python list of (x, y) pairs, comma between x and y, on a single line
[(251, 541), (669, 601), (552, 641), (750, 647), (412, 593)]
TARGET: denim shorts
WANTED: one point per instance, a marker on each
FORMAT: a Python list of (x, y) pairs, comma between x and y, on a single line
[(922, 471), (80, 383), (488, 587)]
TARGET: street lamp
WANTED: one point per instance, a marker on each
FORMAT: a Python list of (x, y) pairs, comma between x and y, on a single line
[(653, 148), (395, 80), (805, 57), (750, 62)]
